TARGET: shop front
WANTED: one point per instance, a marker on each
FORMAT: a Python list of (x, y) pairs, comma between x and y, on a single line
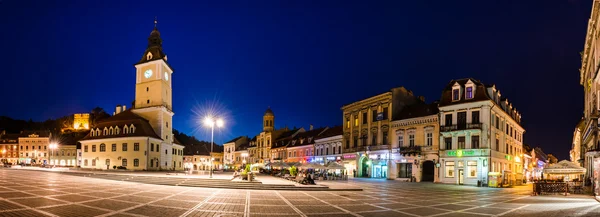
[(373, 165), (349, 161), (464, 167)]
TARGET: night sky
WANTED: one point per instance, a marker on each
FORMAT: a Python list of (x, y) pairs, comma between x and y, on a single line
[(303, 59)]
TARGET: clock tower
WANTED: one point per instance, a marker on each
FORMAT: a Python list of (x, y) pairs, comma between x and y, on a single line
[(153, 92)]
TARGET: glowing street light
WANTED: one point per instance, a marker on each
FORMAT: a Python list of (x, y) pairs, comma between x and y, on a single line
[(52, 147), (211, 122)]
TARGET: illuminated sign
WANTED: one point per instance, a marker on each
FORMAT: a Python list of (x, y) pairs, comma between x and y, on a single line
[(349, 156), (507, 157), (373, 156), (517, 159), (330, 158), (380, 116), (465, 153), (460, 153)]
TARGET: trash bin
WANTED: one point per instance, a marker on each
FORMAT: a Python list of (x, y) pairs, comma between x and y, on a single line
[(478, 183)]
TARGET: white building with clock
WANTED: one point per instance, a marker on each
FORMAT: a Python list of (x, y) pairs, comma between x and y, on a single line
[(139, 138)]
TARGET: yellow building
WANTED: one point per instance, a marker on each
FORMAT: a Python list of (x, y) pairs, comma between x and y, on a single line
[(63, 155), (81, 121), (33, 147), (416, 137), (260, 145), (9, 148), (367, 131), (140, 138)]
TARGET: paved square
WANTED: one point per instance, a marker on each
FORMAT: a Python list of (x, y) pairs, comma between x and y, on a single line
[(35, 193)]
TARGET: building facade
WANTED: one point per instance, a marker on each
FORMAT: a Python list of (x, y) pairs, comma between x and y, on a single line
[(416, 135), (63, 155), (367, 130), (9, 148), (481, 135), (230, 148), (328, 148), (34, 147), (140, 138), (302, 146), (589, 79)]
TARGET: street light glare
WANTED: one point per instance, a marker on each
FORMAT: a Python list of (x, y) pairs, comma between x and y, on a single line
[(208, 121), (220, 123)]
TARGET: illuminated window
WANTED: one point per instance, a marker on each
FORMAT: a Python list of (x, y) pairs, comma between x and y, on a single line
[(449, 167), (469, 92), (429, 138), (347, 122), (356, 120), (472, 169), (461, 142)]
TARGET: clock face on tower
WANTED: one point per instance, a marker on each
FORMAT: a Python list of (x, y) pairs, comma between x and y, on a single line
[(166, 76), (148, 73)]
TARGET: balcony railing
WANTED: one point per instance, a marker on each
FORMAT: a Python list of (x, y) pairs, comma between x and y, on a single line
[(410, 149), (470, 126)]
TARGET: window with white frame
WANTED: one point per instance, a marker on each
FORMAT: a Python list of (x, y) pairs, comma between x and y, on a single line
[(455, 94), (472, 169), (429, 136), (411, 140), (400, 140), (449, 168)]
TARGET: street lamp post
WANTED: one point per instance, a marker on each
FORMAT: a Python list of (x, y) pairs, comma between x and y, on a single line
[(210, 122), (52, 147)]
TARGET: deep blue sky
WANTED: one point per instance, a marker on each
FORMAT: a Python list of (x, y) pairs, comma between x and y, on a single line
[(304, 59)]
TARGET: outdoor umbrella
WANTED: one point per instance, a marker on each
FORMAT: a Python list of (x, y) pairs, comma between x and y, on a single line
[(335, 166)]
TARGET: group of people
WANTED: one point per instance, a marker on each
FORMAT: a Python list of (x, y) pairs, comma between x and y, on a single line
[(307, 178)]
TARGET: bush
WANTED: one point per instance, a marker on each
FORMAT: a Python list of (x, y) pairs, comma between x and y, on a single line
[(293, 171), (115, 167), (121, 167)]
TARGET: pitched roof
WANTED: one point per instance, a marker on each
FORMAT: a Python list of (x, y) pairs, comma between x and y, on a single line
[(306, 138), (481, 93), (235, 139), (333, 131), (40, 133), (418, 110), (127, 117)]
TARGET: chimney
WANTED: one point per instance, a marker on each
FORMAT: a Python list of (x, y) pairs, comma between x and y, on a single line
[(311, 127), (422, 98), (118, 109), (124, 108)]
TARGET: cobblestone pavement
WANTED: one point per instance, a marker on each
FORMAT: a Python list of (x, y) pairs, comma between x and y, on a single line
[(33, 193)]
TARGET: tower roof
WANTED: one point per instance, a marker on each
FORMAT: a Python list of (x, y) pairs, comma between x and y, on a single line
[(269, 111), (154, 51)]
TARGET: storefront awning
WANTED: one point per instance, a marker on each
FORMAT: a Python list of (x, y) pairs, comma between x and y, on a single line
[(564, 167)]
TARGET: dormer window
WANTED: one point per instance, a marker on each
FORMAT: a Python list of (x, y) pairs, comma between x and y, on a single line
[(125, 130), (105, 131), (455, 94), (469, 93), (149, 56)]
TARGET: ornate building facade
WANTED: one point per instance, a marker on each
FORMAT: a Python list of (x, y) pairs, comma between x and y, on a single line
[(481, 135), (367, 130), (589, 79), (416, 135)]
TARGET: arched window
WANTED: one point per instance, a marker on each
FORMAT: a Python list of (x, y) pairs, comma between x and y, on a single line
[(125, 130), (117, 130), (124, 162), (132, 128), (111, 131), (97, 132), (102, 147), (105, 131), (92, 132)]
